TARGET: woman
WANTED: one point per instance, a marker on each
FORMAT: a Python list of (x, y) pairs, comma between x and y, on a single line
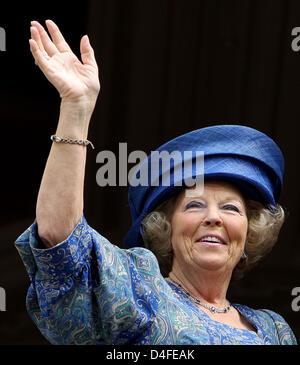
[(84, 290)]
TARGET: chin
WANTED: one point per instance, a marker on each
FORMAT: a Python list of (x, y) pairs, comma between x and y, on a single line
[(212, 262)]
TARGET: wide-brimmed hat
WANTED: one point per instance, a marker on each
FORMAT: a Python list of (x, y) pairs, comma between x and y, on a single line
[(238, 154)]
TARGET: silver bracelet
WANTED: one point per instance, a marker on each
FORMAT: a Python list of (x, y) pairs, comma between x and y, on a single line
[(68, 140)]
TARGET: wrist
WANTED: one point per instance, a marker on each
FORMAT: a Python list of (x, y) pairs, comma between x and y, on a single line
[(83, 102), (73, 121), (79, 108)]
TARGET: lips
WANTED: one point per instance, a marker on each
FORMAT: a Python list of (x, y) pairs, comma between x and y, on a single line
[(211, 238)]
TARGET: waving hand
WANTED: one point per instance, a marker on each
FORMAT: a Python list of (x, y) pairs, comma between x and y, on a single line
[(74, 79)]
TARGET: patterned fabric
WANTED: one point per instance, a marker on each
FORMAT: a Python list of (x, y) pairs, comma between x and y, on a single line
[(87, 291)]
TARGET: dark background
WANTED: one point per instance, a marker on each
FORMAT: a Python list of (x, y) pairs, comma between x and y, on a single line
[(166, 67)]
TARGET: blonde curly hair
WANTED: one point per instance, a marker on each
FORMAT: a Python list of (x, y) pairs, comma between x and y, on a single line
[(264, 225)]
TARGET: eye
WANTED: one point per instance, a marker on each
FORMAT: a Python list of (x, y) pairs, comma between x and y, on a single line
[(194, 204), (231, 207)]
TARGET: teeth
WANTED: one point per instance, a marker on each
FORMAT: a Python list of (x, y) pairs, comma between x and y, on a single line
[(211, 239)]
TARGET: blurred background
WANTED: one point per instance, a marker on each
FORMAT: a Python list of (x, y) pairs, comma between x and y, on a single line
[(166, 67)]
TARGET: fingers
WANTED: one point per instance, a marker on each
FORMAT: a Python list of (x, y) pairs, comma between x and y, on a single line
[(57, 37), (87, 52), (38, 54), (42, 39), (41, 44), (36, 36)]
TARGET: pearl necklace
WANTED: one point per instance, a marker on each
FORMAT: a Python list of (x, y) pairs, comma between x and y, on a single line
[(197, 301)]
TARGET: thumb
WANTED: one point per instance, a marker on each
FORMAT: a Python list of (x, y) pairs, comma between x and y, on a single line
[(87, 52)]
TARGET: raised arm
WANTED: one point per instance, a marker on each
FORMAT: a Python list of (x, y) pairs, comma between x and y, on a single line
[(60, 199)]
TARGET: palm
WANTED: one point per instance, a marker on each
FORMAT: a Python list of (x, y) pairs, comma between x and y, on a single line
[(71, 77)]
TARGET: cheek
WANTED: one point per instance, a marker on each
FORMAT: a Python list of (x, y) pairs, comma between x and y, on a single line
[(237, 229), (183, 225)]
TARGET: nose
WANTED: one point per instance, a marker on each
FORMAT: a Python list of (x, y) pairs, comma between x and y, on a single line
[(212, 218)]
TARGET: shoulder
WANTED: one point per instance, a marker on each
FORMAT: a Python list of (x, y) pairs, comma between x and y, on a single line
[(285, 333), (270, 323), (271, 318), (144, 260), (136, 259)]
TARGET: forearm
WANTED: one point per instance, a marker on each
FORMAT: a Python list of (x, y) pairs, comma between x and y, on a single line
[(60, 199)]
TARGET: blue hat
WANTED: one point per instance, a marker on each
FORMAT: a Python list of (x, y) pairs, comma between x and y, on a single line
[(234, 153)]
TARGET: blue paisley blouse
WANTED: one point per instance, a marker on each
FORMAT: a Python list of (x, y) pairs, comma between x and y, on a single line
[(87, 291)]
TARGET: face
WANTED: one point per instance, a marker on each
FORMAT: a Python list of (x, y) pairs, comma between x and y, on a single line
[(209, 230)]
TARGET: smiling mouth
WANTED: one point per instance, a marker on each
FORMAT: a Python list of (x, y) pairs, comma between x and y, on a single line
[(211, 240)]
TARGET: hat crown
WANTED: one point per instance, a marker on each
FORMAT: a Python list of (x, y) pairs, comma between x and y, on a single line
[(234, 139)]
